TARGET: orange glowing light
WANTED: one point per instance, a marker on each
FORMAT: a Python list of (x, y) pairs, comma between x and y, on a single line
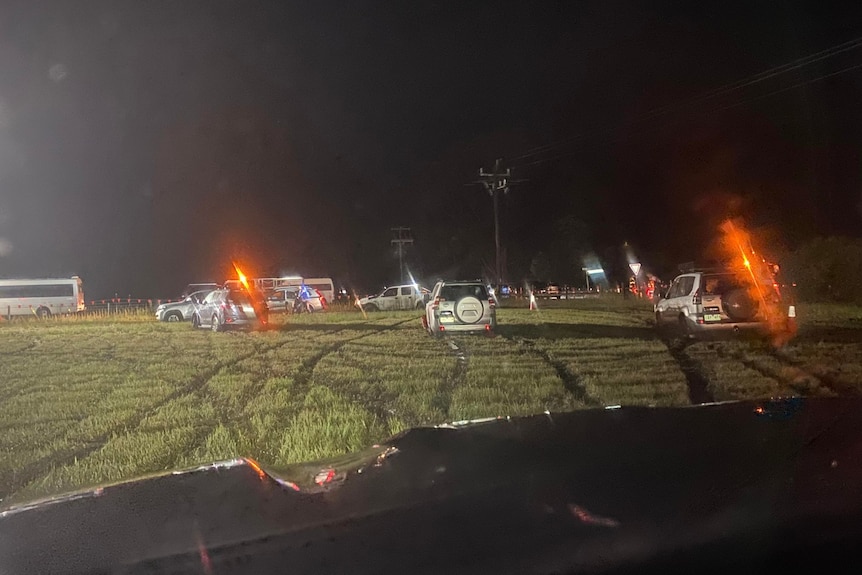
[(757, 274), (242, 279)]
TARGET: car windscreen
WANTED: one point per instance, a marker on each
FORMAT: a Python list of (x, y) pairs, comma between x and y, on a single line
[(458, 291)]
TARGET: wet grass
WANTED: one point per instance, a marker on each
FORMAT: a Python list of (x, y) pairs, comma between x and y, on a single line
[(88, 401)]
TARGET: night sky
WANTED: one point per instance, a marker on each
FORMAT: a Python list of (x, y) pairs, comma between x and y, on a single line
[(143, 145)]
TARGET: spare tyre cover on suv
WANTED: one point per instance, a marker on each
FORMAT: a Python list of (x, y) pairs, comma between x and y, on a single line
[(739, 305), (469, 309)]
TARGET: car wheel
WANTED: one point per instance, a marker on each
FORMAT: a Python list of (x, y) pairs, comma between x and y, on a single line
[(174, 316), (43, 312), (215, 324), (372, 307), (196, 321), (658, 320)]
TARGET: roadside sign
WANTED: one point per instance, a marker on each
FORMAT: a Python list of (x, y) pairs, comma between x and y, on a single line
[(636, 268)]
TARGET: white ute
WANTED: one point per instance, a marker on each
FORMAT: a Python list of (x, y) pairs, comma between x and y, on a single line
[(396, 298)]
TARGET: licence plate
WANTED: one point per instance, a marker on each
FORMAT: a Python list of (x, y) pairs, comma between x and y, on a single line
[(711, 317), (447, 319)]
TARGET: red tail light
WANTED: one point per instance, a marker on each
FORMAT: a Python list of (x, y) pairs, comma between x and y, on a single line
[(491, 302), (695, 299), (436, 302)]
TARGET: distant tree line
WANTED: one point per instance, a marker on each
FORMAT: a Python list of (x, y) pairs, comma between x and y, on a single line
[(826, 269)]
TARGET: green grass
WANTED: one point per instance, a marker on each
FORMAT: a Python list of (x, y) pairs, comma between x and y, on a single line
[(89, 400)]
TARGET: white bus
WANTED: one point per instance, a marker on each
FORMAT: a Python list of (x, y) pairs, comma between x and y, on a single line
[(323, 285), (42, 297)]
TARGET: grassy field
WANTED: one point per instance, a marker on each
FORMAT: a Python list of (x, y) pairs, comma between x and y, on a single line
[(93, 400)]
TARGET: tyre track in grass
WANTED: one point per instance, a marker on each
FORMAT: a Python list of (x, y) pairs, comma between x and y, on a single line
[(697, 382), (796, 373), (234, 414), (15, 479), (839, 387), (305, 371), (570, 380), (454, 378), (103, 355)]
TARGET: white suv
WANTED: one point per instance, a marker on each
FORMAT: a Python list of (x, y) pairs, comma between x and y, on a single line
[(460, 306), (700, 304)]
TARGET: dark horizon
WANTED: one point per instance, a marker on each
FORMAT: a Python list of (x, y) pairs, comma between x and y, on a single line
[(145, 146)]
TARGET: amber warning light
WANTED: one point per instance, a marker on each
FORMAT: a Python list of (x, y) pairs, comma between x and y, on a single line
[(759, 275), (241, 276)]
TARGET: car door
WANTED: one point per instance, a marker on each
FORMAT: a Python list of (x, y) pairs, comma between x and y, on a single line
[(664, 308), (406, 298), (208, 306), (429, 307), (679, 298), (275, 300), (388, 300), (191, 303)]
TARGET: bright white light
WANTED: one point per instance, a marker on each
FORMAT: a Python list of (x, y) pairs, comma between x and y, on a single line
[(593, 271)]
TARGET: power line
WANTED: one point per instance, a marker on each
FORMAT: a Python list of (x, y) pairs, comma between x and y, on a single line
[(714, 110), (770, 73), (715, 92)]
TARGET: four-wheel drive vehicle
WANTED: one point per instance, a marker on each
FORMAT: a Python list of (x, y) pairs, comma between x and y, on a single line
[(284, 299), (182, 310), (700, 304), (227, 307), (460, 306), (397, 297)]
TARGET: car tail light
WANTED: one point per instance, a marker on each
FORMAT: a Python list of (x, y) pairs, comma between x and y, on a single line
[(436, 303), (491, 302), (696, 299)]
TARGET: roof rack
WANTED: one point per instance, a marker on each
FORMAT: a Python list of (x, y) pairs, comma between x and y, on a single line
[(705, 267)]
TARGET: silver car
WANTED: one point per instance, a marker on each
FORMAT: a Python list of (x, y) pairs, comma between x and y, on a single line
[(228, 307), (181, 310), (460, 306)]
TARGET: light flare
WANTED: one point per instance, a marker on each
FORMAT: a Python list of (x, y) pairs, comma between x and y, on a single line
[(756, 274), (359, 305), (241, 276)]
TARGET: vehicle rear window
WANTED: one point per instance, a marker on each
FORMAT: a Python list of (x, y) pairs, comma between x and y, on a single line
[(456, 292), (243, 297), (718, 284)]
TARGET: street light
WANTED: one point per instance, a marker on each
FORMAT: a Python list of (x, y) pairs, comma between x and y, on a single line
[(588, 271)]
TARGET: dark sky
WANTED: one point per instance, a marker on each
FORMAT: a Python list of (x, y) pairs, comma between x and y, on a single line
[(143, 145)]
